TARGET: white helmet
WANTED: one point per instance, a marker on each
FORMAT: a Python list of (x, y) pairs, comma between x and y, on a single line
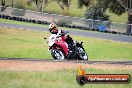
[(51, 27)]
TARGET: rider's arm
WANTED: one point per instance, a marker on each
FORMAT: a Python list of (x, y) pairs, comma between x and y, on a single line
[(61, 32), (52, 37)]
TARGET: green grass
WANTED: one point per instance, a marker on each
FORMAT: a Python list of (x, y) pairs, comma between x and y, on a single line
[(73, 11), (22, 43), (120, 19), (57, 79), (21, 23), (106, 50)]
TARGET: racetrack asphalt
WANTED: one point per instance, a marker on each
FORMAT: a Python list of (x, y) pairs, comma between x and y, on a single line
[(73, 61), (114, 37)]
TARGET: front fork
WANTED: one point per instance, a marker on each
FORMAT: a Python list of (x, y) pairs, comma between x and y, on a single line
[(72, 54)]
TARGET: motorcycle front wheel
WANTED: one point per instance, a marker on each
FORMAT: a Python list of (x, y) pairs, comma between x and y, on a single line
[(57, 54)]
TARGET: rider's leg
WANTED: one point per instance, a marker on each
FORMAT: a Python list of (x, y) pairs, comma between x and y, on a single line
[(69, 40), (70, 43), (69, 56)]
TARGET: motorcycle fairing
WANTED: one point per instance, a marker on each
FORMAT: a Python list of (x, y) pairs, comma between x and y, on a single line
[(53, 40), (64, 46)]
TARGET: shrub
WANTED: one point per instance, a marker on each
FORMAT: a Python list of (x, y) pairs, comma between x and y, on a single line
[(62, 21), (96, 13)]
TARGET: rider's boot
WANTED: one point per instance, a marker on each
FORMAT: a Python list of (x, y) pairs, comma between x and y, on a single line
[(69, 55)]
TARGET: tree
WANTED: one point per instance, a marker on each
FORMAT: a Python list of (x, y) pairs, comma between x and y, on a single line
[(3, 3), (94, 10), (64, 5), (39, 4), (118, 7), (82, 3), (6, 3), (96, 13), (20, 4)]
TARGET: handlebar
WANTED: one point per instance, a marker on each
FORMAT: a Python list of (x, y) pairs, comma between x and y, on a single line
[(65, 32), (59, 35)]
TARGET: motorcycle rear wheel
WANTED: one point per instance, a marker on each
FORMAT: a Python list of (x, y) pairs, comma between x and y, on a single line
[(82, 54), (57, 54)]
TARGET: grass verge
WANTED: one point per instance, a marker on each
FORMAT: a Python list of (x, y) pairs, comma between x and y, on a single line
[(21, 23), (57, 79), (20, 43)]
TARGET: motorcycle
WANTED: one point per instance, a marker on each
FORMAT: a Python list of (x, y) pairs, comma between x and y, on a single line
[(61, 50)]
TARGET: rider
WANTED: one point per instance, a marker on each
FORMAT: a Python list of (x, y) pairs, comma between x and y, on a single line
[(59, 32)]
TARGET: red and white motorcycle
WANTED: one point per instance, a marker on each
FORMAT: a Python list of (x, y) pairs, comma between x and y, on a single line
[(61, 50)]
